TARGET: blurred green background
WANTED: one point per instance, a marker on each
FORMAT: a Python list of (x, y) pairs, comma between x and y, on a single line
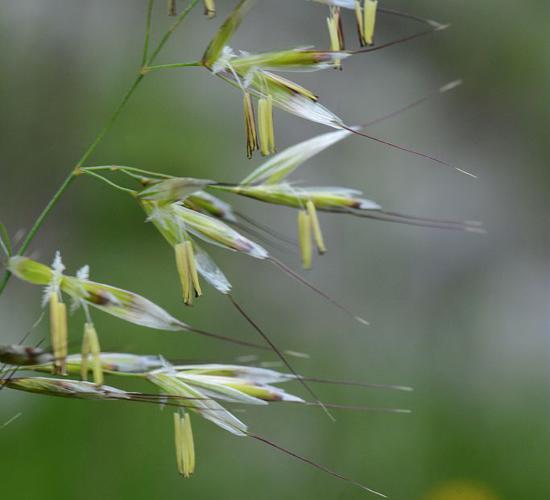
[(461, 317)]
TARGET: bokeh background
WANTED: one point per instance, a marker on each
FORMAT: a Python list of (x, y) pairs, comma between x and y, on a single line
[(461, 317)]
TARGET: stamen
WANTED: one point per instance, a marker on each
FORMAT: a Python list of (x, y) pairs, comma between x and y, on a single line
[(185, 448), (334, 23), (369, 20), (172, 11), (210, 8), (270, 129), (359, 21), (84, 353), (187, 270), (182, 265), (93, 348), (317, 234), (304, 238), (193, 269), (250, 125), (265, 125), (58, 332)]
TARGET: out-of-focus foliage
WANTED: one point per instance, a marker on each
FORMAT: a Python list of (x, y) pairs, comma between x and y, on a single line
[(461, 317)]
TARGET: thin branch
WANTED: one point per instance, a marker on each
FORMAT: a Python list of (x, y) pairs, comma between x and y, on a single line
[(109, 182), (147, 31)]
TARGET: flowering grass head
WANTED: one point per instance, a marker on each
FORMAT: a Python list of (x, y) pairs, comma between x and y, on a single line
[(186, 214)]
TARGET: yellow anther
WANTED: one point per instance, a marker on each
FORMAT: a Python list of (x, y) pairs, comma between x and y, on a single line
[(250, 125), (193, 269), (265, 125), (187, 270), (58, 332), (185, 447), (304, 238), (210, 8), (84, 354), (359, 21), (316, 227), (172, 11), (90, 345), (182, 264), (335, 33), (369, 20)]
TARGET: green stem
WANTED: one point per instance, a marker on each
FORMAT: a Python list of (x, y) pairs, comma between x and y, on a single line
[(76, 171), (111, 121), (109, 182), (171, 30), (147, 69), (122, 168), (38, 223), (147, 32)]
